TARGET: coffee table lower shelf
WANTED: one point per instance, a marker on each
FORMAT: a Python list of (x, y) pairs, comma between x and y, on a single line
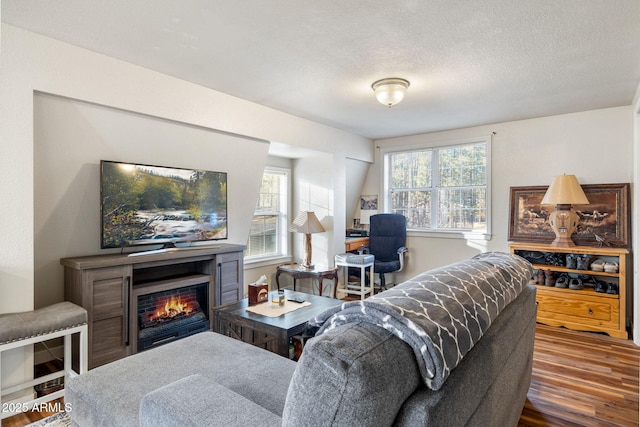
[(271, 333)]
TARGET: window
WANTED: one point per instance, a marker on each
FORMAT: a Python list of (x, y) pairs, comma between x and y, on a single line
[(442, 188), (268, 234)]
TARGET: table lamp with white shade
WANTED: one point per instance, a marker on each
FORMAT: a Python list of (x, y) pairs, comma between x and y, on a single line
[(307, 223), (563, 192)]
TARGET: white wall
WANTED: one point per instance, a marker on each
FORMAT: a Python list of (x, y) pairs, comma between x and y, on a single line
[(313, 190), (356, 175), (71, 138), (34, 63), (31, 63), (596, 146)]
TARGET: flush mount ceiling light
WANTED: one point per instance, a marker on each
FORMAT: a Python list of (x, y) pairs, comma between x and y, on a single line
[(390, 91)]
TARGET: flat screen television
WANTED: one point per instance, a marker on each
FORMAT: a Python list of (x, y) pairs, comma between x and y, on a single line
[(157, 205)]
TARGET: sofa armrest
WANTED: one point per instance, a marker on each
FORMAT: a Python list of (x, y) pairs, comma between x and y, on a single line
[(198, 401), (356, 374)]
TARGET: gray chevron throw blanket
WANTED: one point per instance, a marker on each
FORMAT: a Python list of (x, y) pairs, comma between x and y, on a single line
[(441, 313)]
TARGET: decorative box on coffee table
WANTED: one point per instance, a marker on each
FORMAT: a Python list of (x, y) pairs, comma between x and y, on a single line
[(584, 309)]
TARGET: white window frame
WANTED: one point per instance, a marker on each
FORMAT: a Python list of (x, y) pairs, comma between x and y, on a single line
[(283, 221), (438, 145)]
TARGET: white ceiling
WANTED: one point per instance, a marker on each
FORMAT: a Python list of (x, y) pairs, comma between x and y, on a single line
[(469, 62)]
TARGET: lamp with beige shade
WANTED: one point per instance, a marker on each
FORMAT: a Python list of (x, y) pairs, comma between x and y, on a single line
[(307, 223), (563, 192)]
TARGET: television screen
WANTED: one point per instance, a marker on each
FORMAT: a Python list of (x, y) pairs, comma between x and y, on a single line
[(143, 205)]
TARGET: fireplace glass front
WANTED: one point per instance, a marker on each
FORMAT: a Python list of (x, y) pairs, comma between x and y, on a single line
[(171, 314)]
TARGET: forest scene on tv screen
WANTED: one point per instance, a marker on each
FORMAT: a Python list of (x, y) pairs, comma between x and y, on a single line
[(159, 205)]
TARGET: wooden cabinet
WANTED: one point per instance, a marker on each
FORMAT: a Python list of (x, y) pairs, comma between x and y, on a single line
[(230, 272), (105, 285), (106, 291), (583, 309)]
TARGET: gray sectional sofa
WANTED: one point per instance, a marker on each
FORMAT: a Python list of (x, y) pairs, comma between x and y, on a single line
[(374, 363)]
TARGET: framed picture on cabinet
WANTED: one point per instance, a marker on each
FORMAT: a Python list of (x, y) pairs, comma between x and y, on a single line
[(606, 217)]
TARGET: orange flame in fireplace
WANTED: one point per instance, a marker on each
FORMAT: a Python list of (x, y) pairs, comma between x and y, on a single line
[(172, 308)]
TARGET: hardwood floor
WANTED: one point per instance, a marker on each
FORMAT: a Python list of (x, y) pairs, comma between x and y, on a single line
[(50, 408), (579, 379), (582, 379)]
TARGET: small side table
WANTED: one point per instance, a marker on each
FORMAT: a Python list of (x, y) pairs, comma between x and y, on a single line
[(359, 261), (318, 272)]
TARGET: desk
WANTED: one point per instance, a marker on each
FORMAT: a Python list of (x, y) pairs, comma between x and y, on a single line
[(354, 243), (318, 272)]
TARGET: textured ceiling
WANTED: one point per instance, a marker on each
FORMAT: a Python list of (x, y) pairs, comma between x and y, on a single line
[(469, 62)]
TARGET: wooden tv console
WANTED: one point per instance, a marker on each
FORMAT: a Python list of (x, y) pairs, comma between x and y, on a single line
[(105, 285)]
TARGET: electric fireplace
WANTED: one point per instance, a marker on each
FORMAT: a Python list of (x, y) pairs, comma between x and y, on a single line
[(167, 314)]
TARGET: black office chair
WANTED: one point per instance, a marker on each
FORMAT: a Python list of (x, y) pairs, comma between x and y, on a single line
[(387, 240)]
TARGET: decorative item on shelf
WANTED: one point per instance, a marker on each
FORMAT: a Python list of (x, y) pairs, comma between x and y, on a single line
[(390, 91), (259, 291), (307, 223), (563, 192)]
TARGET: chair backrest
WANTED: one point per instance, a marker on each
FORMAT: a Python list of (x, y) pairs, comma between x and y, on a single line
[(387, 233)]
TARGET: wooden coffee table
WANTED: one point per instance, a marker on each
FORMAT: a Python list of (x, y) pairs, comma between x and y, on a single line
[(270, 333)]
